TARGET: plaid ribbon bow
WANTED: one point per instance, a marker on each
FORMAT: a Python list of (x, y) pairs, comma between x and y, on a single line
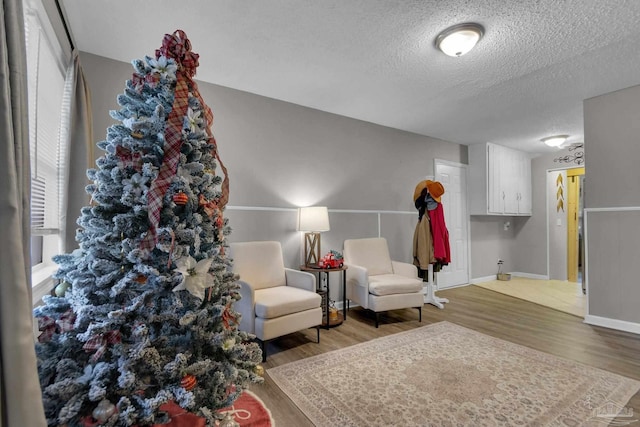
[(128, 158), (100, 342), (48, 326), (138, 81), (228, 318), (178, 47), (210, 207)]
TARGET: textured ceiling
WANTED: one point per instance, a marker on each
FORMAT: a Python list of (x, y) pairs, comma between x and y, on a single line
[(375, 60)]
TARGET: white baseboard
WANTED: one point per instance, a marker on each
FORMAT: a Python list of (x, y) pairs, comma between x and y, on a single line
[(482, 279), (340, 306), (513, 273), (443, 288), (621, 325), (530, 276)]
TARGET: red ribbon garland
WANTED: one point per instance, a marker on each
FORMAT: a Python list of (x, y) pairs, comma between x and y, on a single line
[(100, 342), (178, 47)]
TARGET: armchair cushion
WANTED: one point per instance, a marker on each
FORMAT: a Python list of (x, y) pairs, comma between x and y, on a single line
[(284, 300), (391, 284)]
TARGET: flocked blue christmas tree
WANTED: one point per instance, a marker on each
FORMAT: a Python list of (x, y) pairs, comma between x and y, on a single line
[(147, 320)]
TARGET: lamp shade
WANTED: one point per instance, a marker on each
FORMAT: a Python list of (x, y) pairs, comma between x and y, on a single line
[(313, 219)]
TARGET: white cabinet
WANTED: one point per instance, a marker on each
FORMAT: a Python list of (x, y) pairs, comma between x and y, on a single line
[(499, 180)]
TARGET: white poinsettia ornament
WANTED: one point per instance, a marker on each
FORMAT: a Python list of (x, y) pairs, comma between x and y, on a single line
[(195, 275)]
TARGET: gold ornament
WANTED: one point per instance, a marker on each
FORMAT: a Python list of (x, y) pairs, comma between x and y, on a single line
[(259, 370)]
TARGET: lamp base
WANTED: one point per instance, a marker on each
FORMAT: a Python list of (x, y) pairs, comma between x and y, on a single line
[(311, 249)]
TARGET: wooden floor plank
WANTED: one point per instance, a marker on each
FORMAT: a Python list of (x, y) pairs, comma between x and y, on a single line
[(485, 311), (559, 294)]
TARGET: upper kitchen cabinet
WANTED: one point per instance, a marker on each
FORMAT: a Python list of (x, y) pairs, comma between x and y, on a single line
[(499, 181)]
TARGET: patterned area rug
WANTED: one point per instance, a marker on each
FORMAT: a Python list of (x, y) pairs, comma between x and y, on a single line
[(444, 374)]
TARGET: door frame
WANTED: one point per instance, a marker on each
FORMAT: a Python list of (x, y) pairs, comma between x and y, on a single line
[(547, 201), (467, 218), (573, 206)]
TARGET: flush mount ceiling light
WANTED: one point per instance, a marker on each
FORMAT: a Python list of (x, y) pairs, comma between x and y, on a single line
[(459, 39), (555, 141)]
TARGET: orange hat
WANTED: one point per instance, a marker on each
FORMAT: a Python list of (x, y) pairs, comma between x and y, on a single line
[(435, 189), (421, 186)]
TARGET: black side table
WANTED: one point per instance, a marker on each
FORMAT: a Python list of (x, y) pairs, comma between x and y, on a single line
[(316, 269)]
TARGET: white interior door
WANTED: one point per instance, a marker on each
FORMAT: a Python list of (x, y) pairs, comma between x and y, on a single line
[(453, 177)]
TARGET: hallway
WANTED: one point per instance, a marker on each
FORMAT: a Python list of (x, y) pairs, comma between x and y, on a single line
[(557, 294)]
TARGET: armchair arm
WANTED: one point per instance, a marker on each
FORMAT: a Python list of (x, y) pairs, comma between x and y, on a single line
[(300, 279), (358, 285), (246, 307), (404, 269)]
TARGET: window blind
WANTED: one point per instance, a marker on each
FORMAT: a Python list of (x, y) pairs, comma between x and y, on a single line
[(46, 89)]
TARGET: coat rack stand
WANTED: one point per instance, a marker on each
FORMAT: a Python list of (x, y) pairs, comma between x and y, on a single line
[(431, 288)]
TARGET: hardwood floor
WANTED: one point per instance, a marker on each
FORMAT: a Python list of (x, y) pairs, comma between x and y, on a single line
[(485, 311), (559, 294)]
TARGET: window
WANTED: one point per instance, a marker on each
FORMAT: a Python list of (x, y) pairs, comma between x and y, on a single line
[(48, 111)]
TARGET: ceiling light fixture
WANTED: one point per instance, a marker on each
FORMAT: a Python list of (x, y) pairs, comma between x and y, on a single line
[(555, 141), (459, 39)]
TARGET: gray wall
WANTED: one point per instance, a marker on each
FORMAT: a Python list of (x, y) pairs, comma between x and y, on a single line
[(490, 242), (612, 131), (281, 156)]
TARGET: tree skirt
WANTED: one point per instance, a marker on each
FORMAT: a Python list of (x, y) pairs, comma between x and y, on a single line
[(445, 374), (249, 411)]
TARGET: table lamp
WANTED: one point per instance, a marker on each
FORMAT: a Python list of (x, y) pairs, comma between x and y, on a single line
[(312, 220)]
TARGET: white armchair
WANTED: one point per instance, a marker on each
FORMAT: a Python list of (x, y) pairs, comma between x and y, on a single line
[(376, 282), (275, 300)]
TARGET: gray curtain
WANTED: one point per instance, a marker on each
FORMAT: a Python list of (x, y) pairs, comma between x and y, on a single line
[(20, 394), (80, 153)]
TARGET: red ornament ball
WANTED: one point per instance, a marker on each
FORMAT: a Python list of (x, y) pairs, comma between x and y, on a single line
[(188, 382), (180, 198)]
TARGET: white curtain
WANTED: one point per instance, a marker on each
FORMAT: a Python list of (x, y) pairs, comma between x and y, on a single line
[(20, 394)]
